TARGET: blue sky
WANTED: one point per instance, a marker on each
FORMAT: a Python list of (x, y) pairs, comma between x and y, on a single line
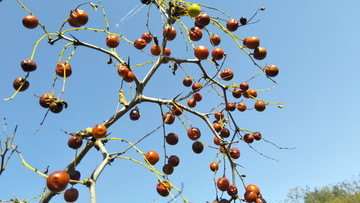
[(314, 44)]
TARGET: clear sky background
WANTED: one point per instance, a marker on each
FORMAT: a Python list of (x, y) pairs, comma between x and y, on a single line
[(314, 44)]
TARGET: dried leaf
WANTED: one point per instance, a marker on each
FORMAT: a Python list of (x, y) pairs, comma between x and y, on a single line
[(122, 97)]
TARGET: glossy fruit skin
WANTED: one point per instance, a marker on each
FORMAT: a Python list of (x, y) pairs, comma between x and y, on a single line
[(234, 153), (271, 70), (169, 118), (112, 41), (253, 188), (260, 200), (17, 83), (230, 106), (241, 107), (30, 22), (260, 106), (168, 169), (232, 190), (248, 138), (173, 160), (56, 107), (99, 131), (249, 93), (197, 96), (74, 175), (191, 103), (225, 133), (28, 65), (252, 42), (152, 157), (155, 50), (250, 196), (259, 53), (123, 71), (217, 127), (216, 141), (194, 133), (203, 19), (57, 181), (244, 86), (177, 111), (130, 77), (222, 149), (214, 166), (243, 20), (232, 25), (223, 184), (167, 51), (63, 67), (187, 82), (172, 139), (215, 40), (147, 37), (171, 36), (197, 147), (257, 135), (140, 43), (219, 115), (75, 142), (46, 99), (194, 10), (196, 87), (217, 53), (195, 34), (78, 18), (201, 52), (71, 195), (134, 114), (236, 93), (198, 25), (226, 74), (162, 188)]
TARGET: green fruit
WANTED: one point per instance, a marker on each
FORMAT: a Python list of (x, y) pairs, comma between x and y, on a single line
[(194, 10)]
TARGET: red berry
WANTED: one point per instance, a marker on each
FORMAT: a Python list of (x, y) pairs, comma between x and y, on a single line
[(260, 53), (112, 41), (18, 82), (63, 67), (194, 133), (232, 25), (223, 184), (197, 96), (215, 40), (99, 131), (28, 65), (260, 105), (172, 32), (140, 43), (227, 74), (30, 22), (195, 34), (147, 37), (201, 52), (152, 157), (217, 53), (57, 181)]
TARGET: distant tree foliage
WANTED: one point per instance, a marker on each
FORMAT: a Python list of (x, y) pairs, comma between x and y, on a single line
[(347, 191)]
